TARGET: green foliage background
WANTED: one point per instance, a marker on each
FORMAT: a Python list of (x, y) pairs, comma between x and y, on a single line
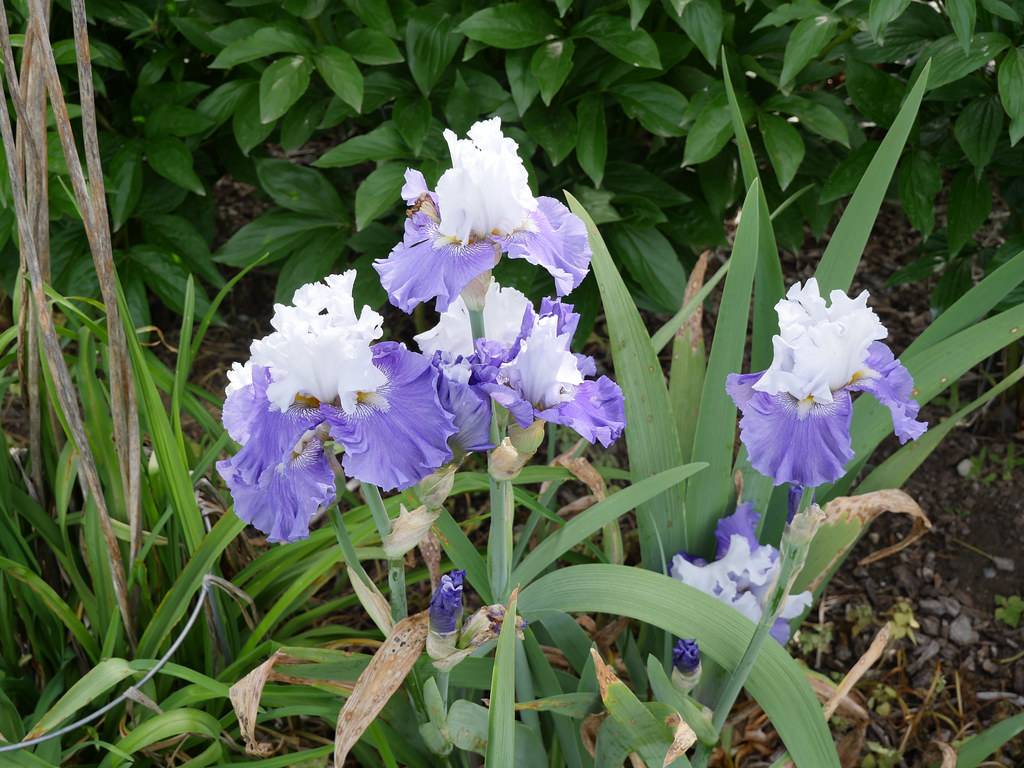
[(321, 105)]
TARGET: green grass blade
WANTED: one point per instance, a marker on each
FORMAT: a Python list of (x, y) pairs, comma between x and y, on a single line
[(777, 682), (895, 470), (708, 494), (92, 685), (53, 601), (973, 305), (978, 748), (177, 600), (591, 521), (769, 286), (168, 725), (650, 429), (501, 719), (184, 364), (839, 262)]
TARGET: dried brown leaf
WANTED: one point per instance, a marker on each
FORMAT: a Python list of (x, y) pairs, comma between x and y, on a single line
[(383, 676), (683, 738)]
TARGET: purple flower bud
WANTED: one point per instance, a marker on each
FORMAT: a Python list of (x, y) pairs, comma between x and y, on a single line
[(686, 656), (796, 494), (446, 604)]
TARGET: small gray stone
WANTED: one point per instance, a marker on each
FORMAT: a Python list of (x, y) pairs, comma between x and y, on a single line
[(988, 572), (961, 632), (1003, 563), (933, 607), (930, 626), (952, 605)]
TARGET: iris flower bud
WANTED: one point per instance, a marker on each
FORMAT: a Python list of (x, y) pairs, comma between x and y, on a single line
[(445, 615), (686, 664)]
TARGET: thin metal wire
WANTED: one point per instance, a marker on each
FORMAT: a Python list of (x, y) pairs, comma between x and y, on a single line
[(203, 594)]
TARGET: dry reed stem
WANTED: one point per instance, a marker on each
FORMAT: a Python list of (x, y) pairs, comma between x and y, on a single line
[(41, 67)]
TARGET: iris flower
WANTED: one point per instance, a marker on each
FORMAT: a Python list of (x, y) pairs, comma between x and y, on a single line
[(481, 208), (742, 573), (796, 415), (317, 376)]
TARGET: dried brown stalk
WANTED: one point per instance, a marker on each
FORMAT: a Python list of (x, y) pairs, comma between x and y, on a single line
[(28, 186)]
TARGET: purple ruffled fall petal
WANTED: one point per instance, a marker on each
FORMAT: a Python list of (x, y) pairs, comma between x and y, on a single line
[(424, 267), (470, 408), (399, 434), (596, 411), (893, 388), (788, 444), (558, 243)]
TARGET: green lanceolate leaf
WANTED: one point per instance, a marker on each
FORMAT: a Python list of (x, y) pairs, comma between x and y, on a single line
[(591, 137), (171, 158), (341, 74), (776, 681), (975, 750), (805, 42), (509, 25), (501, 735), (1011, 91), (650, 430), (970, 202), (920, 180), (978, 129), (551, 64), (299, 188), (613, 33), (85, 692), (379, 193), (842, 255), (587, 523), (430, 45), (784, 145), (962, 15), (708, 494), (281, 85)]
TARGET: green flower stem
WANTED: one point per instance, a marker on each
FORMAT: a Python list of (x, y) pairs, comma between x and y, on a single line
[(793, 555), (396, 567), (499, 540)]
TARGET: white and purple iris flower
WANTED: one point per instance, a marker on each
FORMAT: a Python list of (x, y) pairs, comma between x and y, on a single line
[(482, 207), (796, 415), (743, 572), (318, 376), (528, 367)]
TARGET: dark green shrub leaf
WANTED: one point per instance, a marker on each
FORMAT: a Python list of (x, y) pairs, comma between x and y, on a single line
[(962, 14), (179, 236), (883, 12), (299, 189), (805, 42), (430, 44), (920, 180), (301, 121), (275, 234), (970, 202), (509, 25), (368, 46), (977, 130), (103, 54), (166, 277), (551, 64), (553, 129), (950, 62), (784, 145), (521, 81), (1011, 91), (379, 193), (702, 22), (651, 261), (817, 118), (877, 95), (249, 130), (172, 120), (790, 12), (375, 14), (171, 159), (843, 180), (412, 116), (658, 107), (591, 138), (281, 85), (382, 143), (613, 33), (310, 262), (265, 41), (222, 102), (637, 9), (341, 74), (124, 182), (709, 133), (1002, 10)]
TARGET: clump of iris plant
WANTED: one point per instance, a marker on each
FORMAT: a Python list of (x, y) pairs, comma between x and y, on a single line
[(796, 415)]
